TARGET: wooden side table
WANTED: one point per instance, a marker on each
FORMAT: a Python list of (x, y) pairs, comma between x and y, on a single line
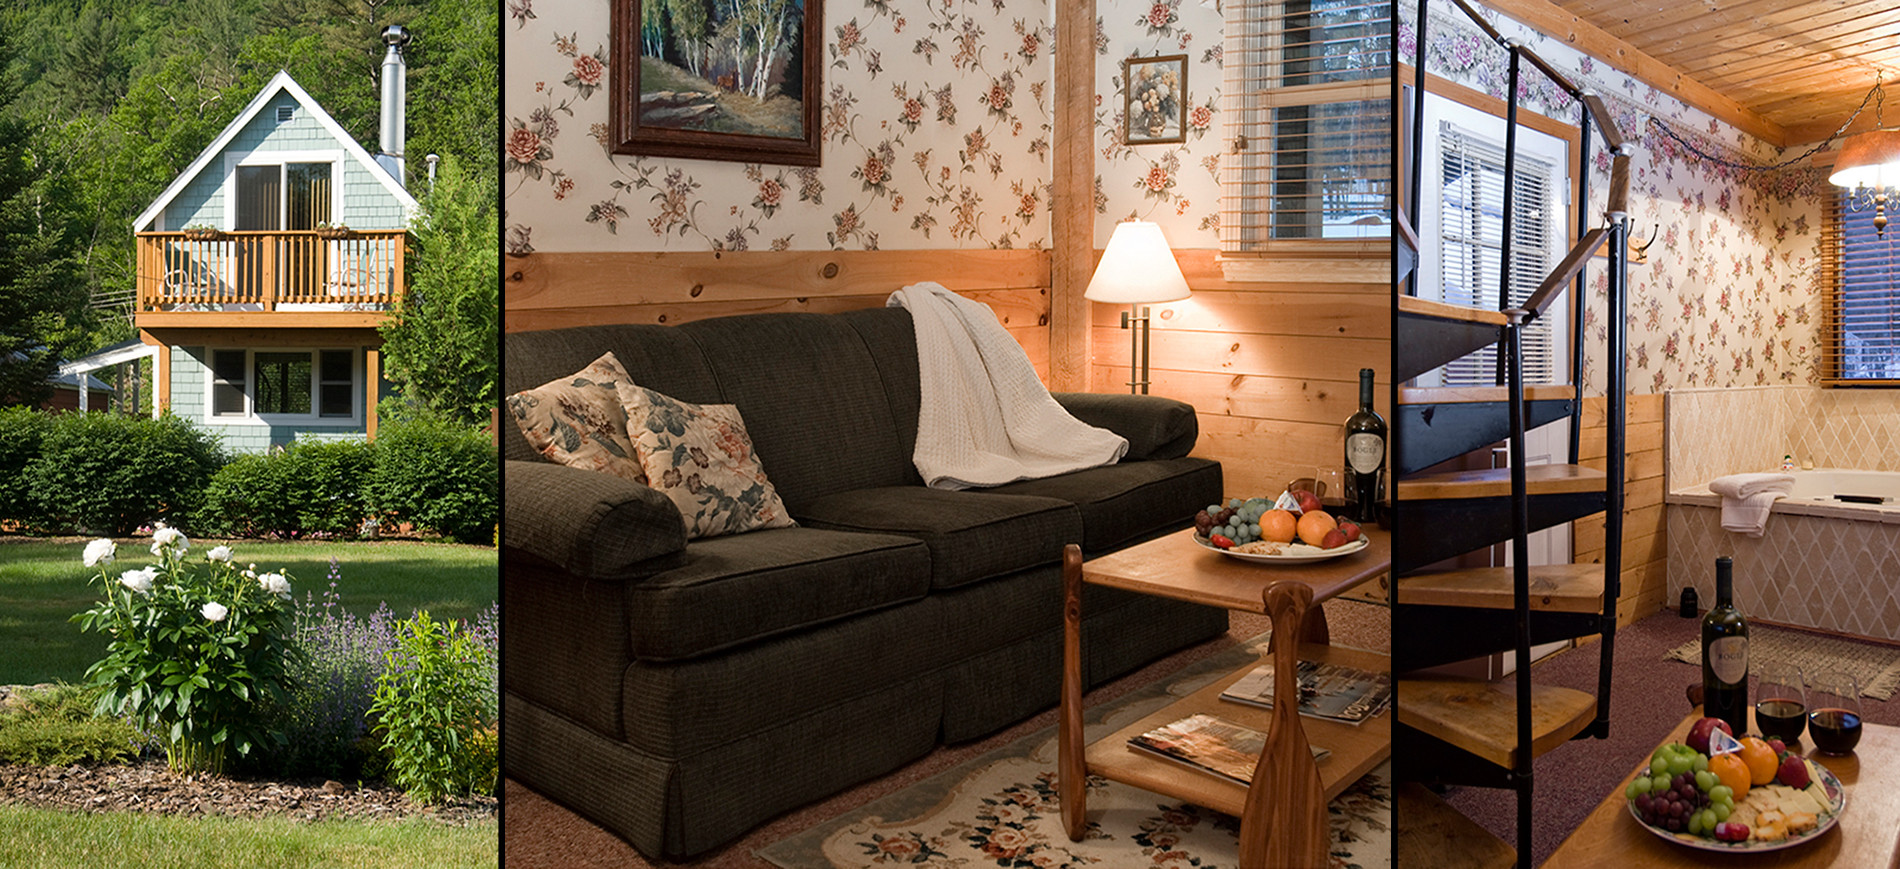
[(1283, 814)]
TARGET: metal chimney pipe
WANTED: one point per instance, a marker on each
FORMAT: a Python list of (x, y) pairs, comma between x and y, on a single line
[(395, 102)]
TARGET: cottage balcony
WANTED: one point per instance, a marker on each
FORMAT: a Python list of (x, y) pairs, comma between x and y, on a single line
[(274, 278)]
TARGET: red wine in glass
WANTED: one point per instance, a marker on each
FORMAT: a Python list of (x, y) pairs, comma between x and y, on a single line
[(1782, 718), (1835, 731)]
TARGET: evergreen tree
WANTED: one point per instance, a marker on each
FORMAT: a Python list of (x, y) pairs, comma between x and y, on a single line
[(441, 343), (42, 302)]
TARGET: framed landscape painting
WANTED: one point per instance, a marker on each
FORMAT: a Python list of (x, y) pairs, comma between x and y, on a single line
[(717, 79)]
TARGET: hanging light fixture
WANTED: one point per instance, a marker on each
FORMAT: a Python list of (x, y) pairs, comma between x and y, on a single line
[(1869, 164)]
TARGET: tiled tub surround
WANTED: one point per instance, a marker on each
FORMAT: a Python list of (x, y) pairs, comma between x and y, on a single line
[(1820, 563), (1835, 567)]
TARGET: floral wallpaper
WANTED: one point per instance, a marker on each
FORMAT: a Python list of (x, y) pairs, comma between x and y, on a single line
[(936, 130), (1729, 296), (1175, 185)]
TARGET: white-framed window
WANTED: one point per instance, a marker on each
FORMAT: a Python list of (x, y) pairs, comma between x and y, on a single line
[(1309, 111), (1461, 229), (284, 385)]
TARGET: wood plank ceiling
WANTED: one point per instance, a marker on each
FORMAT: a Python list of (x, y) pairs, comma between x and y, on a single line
[(1801, 65)]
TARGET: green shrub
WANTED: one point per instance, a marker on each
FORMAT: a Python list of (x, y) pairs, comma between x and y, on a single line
[(111, 474), (57, 727), (22, 430), (313, 487), (438, 476), (435, 707)]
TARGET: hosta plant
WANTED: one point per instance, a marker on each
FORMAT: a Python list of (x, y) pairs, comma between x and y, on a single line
[(194, 651)]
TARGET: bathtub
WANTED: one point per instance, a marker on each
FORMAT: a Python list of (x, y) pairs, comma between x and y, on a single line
[(1822, 562)]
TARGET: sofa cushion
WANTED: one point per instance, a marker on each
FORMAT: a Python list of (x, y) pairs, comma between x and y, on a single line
[(578, 420), (658, 357), (972, 536), (1126, 502), (700, 457), (742, 587), (812, 399)]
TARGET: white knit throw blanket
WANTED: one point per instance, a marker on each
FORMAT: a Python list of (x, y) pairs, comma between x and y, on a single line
[(985, 418)]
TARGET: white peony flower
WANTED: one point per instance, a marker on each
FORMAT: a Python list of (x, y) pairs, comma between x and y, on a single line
[(101, 551), (220, 553), (171, 538), (216, 611), (139, 580), (276, 584)]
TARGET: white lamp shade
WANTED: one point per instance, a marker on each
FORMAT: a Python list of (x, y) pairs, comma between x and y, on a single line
[(1138, 267), (1870, 159)]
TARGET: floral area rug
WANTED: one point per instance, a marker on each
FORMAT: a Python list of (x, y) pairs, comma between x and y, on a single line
[(1875, 667), (1001, 810)]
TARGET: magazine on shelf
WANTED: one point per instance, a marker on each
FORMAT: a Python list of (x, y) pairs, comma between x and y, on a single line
[(1330, 692), (1210, 745)]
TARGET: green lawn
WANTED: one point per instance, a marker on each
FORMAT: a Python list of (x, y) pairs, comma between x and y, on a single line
[(42, 584), (48, 838)]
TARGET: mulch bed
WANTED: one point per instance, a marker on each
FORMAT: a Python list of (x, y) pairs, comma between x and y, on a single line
[(147, 786)]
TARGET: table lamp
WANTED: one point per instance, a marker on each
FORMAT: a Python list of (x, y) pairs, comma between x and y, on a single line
[(1137, 268)]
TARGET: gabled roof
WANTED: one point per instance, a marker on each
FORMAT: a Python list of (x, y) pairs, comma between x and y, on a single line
[(281, 82)]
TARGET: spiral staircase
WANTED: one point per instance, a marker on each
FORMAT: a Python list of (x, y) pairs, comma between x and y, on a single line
[(1474, 732)]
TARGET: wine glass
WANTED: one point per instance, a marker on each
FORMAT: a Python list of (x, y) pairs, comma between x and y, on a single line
[(1782, 708), (1834, 712), (1330, 487)]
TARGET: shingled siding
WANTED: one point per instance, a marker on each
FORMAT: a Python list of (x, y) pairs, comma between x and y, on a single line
[(367, 204)]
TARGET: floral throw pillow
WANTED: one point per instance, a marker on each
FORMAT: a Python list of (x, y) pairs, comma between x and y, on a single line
[(579, 420), (701, 457)]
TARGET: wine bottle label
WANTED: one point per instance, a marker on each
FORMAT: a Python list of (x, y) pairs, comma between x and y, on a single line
[(1365, 452), (1728, 659)]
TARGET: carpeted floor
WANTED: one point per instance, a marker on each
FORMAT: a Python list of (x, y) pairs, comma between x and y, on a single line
[(1647, 700), (538, 832)]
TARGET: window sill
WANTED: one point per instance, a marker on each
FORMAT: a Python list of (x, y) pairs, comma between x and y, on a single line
[(1318, 262)]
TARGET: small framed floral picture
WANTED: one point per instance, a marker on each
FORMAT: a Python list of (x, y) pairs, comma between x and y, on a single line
[(1157, 100)]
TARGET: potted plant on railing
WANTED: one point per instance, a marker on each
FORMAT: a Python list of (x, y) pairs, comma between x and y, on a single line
[(203, 232), (334, 233)]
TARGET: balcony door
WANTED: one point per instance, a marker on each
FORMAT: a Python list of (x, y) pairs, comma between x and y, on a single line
[(278, 197)]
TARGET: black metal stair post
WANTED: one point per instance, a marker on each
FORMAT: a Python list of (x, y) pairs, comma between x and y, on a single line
[(1616, 452), (1582, 285), (1416, 182), (1512, 371)]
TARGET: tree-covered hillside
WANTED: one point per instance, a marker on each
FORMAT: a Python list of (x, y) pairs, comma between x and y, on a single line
[(103, 103)]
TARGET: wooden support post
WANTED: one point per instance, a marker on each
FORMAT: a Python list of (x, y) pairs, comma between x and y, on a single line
[(372, 377), (1283, 823), (1071, 767), (1072, 212)]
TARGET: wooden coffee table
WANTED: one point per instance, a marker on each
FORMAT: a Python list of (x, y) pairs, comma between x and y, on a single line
[(1283, 814), (1867, 835)]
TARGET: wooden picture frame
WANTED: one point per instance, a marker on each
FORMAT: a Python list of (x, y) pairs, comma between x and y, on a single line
[(675, 96), (1154, 108)]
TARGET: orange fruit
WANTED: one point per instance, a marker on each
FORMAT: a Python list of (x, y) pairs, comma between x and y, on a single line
[(1760, 760), (1314, 525), (1277, 526), (1733, 772)]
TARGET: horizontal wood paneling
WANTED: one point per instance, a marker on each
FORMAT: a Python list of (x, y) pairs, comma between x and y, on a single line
[(1645, 541), (1272, 369), (553, 290)]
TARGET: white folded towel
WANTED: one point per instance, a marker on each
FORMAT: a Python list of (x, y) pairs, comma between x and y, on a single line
[(1747, 499), (1747, 485)]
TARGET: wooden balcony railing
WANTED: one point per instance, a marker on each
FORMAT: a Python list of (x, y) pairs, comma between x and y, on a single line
[(268, 271)]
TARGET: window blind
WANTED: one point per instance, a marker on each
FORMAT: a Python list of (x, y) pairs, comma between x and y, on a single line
[(1309, 115), (1471, 234), (1860, 298)]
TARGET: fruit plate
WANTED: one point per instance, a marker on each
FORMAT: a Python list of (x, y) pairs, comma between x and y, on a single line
[(1837, 803), (1296, 553)]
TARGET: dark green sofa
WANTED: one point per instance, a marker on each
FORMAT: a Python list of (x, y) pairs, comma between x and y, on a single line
[(681, 693)]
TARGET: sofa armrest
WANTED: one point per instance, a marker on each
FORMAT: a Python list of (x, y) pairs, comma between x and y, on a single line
[(1156, 427), (593, 525)]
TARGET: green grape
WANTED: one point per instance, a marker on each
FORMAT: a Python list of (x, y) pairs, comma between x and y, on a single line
[(1659, 783), (1680, 764), (1705, 780), (1721, 810), (1659, 767), (1638, 786), (1695, 824), (1235, 503), (1722, 792)]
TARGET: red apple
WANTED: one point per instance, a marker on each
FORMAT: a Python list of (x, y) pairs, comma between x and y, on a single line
[(1699, 733), (1309, 502)]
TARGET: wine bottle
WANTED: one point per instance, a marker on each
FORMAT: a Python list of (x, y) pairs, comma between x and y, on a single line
[(1365, 455), (1725, 654)]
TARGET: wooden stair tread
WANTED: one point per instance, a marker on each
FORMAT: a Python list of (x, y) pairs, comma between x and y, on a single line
[(1496, 482), (1481, 717), (1437, 835), (1571, 588), (1432, 308), (1480, 394)]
